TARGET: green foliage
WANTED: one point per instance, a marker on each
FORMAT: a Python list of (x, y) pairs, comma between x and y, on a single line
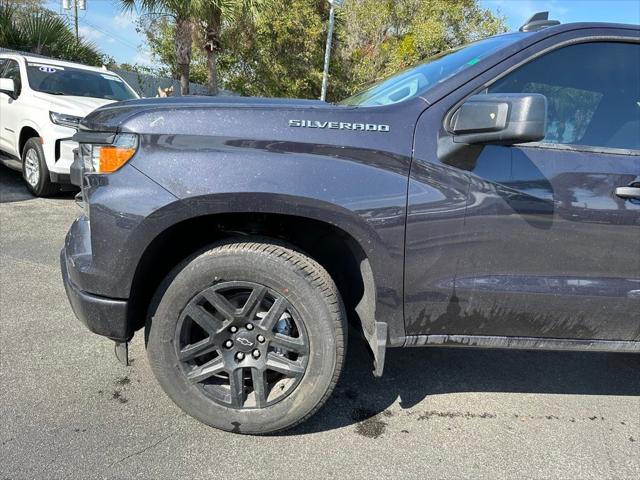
[(168, 39), (182, 15), (22, 3), (159, 32), (382, 37), (172, 8), (40, 31), (279, 50)]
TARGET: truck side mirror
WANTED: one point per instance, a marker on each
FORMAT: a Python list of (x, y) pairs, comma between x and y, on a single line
[(8, 87), (503, 119)]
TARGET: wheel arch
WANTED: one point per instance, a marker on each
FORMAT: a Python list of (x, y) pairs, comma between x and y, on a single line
[(26, 132), (333, 247)]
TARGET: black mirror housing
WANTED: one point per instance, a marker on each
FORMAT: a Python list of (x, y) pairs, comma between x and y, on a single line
[(502, 119)]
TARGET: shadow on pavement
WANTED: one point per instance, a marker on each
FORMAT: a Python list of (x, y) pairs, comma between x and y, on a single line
[(13, 189), (414, 374)]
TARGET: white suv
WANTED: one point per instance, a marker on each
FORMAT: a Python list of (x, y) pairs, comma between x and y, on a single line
[(41, 102)]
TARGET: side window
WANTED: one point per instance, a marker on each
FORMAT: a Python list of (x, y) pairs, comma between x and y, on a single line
[(3, 62), (12, 70), (592, 90)]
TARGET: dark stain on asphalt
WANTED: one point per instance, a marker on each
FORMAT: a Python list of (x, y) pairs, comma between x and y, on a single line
[(79, 430), (631, 439), (118, 396), (554, 417), (369, 424), (485, 415), (122, 381), (433, 413)]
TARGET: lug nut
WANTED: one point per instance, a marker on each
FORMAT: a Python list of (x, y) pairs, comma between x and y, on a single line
[(233, 329), (256, 353), (249, 326), (240, 356), (260, 338), (228, 344)]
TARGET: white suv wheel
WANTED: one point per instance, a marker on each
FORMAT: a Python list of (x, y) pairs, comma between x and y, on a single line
[(32, 167)]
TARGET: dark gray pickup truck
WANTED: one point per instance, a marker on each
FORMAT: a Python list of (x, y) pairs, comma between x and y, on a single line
[(489, 197)]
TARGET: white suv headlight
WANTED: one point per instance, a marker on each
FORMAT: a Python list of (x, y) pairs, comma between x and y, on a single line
[(65, 120)]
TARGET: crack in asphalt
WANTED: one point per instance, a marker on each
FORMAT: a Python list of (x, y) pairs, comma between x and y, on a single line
[(139, 452)]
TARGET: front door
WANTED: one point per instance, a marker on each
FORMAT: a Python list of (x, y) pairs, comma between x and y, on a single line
[(551, 241), (9, 107)]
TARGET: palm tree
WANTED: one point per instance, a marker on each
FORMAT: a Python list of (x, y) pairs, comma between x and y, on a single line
[(211, 16), (42, 32), (182, 12)]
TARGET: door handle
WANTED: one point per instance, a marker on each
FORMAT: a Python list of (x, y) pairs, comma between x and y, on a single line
[(628, 192)]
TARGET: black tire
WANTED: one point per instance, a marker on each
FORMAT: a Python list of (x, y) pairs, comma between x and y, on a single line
[(314, 310), (38, 182)]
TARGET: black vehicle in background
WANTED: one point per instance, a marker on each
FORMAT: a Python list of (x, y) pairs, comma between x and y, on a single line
[(489, 197)]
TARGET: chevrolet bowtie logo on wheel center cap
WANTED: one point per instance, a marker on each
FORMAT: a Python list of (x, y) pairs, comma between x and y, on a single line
[(245, 342)]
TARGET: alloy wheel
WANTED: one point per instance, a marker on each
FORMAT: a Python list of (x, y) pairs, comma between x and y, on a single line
[(242, 344), (32, 167)]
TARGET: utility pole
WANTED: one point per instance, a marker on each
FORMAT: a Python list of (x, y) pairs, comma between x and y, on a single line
[(327, 52), (75, 17), (77, 5)]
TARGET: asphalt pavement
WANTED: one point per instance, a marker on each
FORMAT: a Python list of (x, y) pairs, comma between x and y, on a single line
[(68, 409)]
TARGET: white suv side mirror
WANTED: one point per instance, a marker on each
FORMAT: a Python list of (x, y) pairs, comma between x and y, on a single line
[(7, 86)]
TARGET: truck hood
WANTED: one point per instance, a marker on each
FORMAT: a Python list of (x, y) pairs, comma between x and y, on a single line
[(71, 105), (111, 117)]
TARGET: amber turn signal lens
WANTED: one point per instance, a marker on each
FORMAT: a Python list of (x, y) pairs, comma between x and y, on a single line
[(112, 158)]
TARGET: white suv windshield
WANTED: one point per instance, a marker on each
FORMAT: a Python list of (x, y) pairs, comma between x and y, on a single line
[(59, 80)]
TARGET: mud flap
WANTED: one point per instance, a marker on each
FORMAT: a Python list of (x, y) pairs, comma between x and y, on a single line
[(377, 341), (122, 353)]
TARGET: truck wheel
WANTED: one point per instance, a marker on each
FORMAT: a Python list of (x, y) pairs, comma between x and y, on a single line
[(248, 337), (35, 171)]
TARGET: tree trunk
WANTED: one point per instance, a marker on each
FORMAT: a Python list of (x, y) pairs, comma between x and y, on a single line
[(213, 46), (183, 40), (212, 63), (183, 70)]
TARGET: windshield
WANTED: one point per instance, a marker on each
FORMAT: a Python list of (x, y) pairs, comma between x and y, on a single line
[(59, 80), (417, 80)]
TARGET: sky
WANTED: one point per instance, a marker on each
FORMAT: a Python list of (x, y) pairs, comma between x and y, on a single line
[(114, 32)]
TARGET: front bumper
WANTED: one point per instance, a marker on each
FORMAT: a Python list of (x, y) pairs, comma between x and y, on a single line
[(103, 316), (64, 158), (58, 149)]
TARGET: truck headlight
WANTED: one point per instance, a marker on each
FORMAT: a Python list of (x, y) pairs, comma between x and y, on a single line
[(107, 158), (64, 119)]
